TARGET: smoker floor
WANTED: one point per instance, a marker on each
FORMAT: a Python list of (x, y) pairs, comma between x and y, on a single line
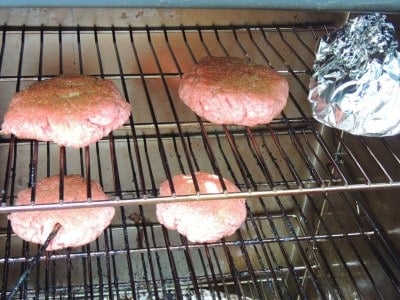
[(311, 229)]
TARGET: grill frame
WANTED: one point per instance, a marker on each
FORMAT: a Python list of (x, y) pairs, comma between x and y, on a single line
[(312, 189)]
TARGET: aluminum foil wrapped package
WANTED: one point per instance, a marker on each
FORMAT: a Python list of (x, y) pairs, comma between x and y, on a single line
[(355, 85)]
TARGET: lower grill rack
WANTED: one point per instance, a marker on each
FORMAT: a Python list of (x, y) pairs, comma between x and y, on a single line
[(319, 221), (329, 248)]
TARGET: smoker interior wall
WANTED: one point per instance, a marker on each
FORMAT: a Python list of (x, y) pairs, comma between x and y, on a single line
[(159, 17)]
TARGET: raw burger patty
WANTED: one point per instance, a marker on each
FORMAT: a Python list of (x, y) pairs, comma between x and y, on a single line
[(235, 91), (68, 110), (201, 221), (79, 226)]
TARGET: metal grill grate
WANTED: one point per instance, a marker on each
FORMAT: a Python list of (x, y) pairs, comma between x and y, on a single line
[(309, 231)]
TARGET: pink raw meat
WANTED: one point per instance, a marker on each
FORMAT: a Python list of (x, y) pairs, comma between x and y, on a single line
[(227, 90), (79, 226), (201, 221), (68, 110)]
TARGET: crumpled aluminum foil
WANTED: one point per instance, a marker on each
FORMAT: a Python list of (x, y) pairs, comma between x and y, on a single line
[(355, 85)]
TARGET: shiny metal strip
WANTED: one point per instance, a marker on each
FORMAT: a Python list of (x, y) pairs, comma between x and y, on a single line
[(249, 195)]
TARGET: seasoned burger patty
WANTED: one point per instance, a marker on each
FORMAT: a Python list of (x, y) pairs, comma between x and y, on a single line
[(78, 226), (68, 110), (227, 90), (201, 221)]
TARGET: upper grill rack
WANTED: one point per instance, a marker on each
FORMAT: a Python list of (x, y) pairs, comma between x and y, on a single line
[(298, 239), (146, 64)]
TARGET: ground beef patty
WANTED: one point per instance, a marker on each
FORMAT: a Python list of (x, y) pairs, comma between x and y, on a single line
[(78, 226), (68, 110), (235, 91), (201, 221)]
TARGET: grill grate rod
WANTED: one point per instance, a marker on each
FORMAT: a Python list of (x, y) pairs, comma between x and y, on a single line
[(34, 261), (251, 196), (152, 112), (276, 286), (389, 249), (204, 133), (351, 244), (304, 155), (290, 227), (9, 183), (256, 151), (248, 242), (341, 258), (245, 173), (152, 272)]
